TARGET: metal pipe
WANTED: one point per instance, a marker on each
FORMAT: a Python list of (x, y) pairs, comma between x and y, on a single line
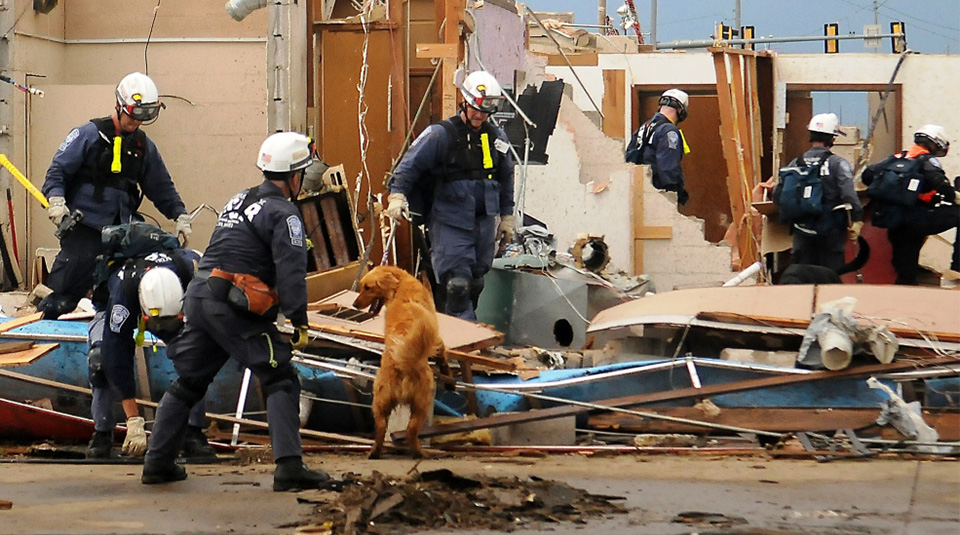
[(704, 43)]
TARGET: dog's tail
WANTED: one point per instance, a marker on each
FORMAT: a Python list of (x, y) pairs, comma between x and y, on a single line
[(863, 254)]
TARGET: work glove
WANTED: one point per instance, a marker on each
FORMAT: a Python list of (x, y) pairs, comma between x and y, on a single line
[(505, 231), (57, 210), (398, 207), (184, 227), (854, 231), (300, 337), (136, 442)]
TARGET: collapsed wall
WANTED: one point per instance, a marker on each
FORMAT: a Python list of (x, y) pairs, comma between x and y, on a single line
[(588, 188)]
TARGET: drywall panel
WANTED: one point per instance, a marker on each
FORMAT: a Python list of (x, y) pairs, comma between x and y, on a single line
[(499, 43)]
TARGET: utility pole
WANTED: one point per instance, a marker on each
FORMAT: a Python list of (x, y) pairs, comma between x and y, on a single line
[(876, 20), (602, 13), (736, 15), (653, 23)]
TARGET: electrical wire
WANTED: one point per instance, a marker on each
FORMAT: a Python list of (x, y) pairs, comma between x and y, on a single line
[(156, 11)]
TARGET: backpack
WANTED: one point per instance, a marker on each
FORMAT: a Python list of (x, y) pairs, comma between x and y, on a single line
[(799, 193), (127, 241), (899, 181)]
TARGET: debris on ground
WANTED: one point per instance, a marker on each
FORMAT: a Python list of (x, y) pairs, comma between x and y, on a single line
[(379, 504)]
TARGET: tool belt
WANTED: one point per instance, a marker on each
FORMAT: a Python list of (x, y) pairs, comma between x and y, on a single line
[(244, 292)]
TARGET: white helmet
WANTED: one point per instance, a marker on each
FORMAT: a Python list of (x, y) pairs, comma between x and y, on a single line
[(137, 96), (481, 91), (825, 123), (284, 152), (934, 135), (161, 294), (675, 99)]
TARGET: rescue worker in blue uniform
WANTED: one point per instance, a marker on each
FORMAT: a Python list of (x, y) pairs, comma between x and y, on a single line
[(464, 168), (823, 243), (660, 144), (934, 205), (103, 169), (145, 292), (258, 243)]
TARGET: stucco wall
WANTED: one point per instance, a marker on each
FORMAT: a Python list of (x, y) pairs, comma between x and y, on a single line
[(210, 71)]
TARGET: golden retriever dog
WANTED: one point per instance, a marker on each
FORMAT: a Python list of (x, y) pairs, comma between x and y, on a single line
[(412, 337)]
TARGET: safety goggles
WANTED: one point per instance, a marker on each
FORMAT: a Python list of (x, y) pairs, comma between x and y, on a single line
[(143, 112), (486, 104)]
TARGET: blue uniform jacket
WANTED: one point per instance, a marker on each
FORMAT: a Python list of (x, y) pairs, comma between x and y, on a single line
[(266, 239), (453, 201), (81, 148), (663, 154)]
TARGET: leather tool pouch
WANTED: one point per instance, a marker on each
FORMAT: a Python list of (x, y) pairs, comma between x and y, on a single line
[(244, 292)]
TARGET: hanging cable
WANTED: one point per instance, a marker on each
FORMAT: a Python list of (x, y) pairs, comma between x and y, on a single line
[(156, 11)]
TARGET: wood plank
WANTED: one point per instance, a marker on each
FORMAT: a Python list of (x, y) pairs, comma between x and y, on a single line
[(338, 242), (777, 420), (500, 420), (14, 347), (20, 322), (335, 437), (311, 222), (143, 379), (653, 233), (582, 59), (727, 133), (22, 358), (614, 89), (437, 50), (640, 173)]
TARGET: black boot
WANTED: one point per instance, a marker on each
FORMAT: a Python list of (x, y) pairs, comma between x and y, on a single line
[(100, 445), (196, 447), (292, 474), (154, 473)]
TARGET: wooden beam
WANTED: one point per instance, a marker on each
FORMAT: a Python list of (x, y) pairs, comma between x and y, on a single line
[(500, 420), (27, 356), (335, 437), (653, 233), (640, 173), (449, 16), (614, 89)]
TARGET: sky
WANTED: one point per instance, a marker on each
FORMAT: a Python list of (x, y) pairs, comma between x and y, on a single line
[(933, 27)]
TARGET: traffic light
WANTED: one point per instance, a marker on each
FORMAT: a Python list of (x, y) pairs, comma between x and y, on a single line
[(899, 44), (831, 46), (727, 32), (747, 32)]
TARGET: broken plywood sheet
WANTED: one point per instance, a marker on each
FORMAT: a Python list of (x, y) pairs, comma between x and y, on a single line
[(908, 311), (789, 302), (457, 334), (26, 356)]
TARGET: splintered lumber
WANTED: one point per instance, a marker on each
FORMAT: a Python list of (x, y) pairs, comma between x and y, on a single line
[(27, 356), (778, 420), (499, 420), (320, 435), (14, 347)]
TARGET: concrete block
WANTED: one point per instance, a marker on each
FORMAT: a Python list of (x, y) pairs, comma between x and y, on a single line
[(552, 432)]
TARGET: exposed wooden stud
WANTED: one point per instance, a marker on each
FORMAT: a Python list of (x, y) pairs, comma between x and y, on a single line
[(614, 89), (436, 50), (338, 242)]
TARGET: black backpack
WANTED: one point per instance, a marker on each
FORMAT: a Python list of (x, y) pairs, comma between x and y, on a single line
[(130, 240), (799, 193), (899, 181)]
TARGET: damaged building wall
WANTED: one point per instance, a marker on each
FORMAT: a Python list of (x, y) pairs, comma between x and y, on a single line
[(586, 190), (498, 40), (210, 73)]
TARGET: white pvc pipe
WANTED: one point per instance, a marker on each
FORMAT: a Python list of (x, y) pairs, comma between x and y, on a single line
[(239, 9), (752, 270)]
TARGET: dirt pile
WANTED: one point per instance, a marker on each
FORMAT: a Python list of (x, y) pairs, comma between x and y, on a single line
[(442, 499)]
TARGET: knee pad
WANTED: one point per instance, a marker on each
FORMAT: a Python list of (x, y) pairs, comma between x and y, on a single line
[(187, 392), (55, 305), (457, 296), (95, 369), (476, 286)]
